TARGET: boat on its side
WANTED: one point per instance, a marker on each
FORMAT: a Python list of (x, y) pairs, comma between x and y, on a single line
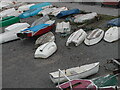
[(45, 50), (112, 34), (48, 37), (94, 37), (75, 72), (77, 37)]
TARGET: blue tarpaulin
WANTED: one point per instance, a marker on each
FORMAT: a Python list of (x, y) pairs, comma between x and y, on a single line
[(68, 12), (40, 5), (114, 22)]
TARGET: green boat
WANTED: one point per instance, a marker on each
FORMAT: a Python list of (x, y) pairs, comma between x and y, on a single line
[(9, 20)]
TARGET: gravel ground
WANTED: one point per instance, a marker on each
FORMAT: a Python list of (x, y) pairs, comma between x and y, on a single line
[(21, 70)]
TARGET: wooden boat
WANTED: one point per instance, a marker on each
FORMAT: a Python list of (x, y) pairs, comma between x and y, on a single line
[(41, 5), (63, 27), (41, 20), (94, 37), (77, 37), (75, 72), (25, 7), (114, 22), (85, 17), (10, 32), (45, 50), (37, 30), (48, 37), (112, 34), (9, 20)]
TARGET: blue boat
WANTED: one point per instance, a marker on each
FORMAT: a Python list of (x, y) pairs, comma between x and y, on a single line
[(68, 12), (31, 12), (114, 22), (41, 5)]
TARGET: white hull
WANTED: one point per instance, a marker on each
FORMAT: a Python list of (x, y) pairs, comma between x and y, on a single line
[(77, 37), (75, 73), (112, 34), (45, 50), (25, 7), (94, 37)]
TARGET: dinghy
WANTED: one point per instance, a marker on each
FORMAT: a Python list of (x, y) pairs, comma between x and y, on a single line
[(41, 20), (10, 32), (94, 37), (77, 37), (45, 50), (37, 30), (75, 72), (112, 34), (48, 37), (63, 27), (25, 7), (114, 22), (85, 17)]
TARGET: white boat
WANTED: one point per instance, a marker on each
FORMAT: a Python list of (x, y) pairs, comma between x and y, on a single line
[(77, 37), (11, 31), (112, 34), (25, 7), (94, 37), (48, 37), (45, 50), (5, 3), (40, 20), (85, 17), (63, 27), (75, 72)]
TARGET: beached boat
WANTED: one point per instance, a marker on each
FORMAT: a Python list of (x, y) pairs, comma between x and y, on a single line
[(48, 37), (114, 22), (112, 34), (63, 27), (45, 50), (9, 20), (75, 72), (25, 7), (41, 20), (10, 32), (85, 17), (31, 12), (41, 5), (77, 37), (37, 30), (94, 37)]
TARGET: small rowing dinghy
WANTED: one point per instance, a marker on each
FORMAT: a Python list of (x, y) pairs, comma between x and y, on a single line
[(77, 37), (94, 37), (48, 37), (75, 72), (112, 34), (45, 50)]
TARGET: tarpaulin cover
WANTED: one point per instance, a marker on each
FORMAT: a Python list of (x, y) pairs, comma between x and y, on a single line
[(114, 22), (68, 12)]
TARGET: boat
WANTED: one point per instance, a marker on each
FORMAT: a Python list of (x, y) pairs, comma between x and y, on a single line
[(6, 21), (48, 37), (37, 30), (31, 12), (94, 37), (63, 27), (114, 22), (41, 20), (25, 7), (68, 12), (10, 32), (112, 34), (75, 72), (45, 50), (77, 37), (84, 17), (41, 5)]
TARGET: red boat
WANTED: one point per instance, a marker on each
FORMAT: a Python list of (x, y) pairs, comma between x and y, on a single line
[(37, 30)]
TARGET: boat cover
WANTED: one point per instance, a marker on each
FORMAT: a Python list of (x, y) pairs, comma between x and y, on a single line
[(31, 12), (40, 5), (68, 12), (114, 22)]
